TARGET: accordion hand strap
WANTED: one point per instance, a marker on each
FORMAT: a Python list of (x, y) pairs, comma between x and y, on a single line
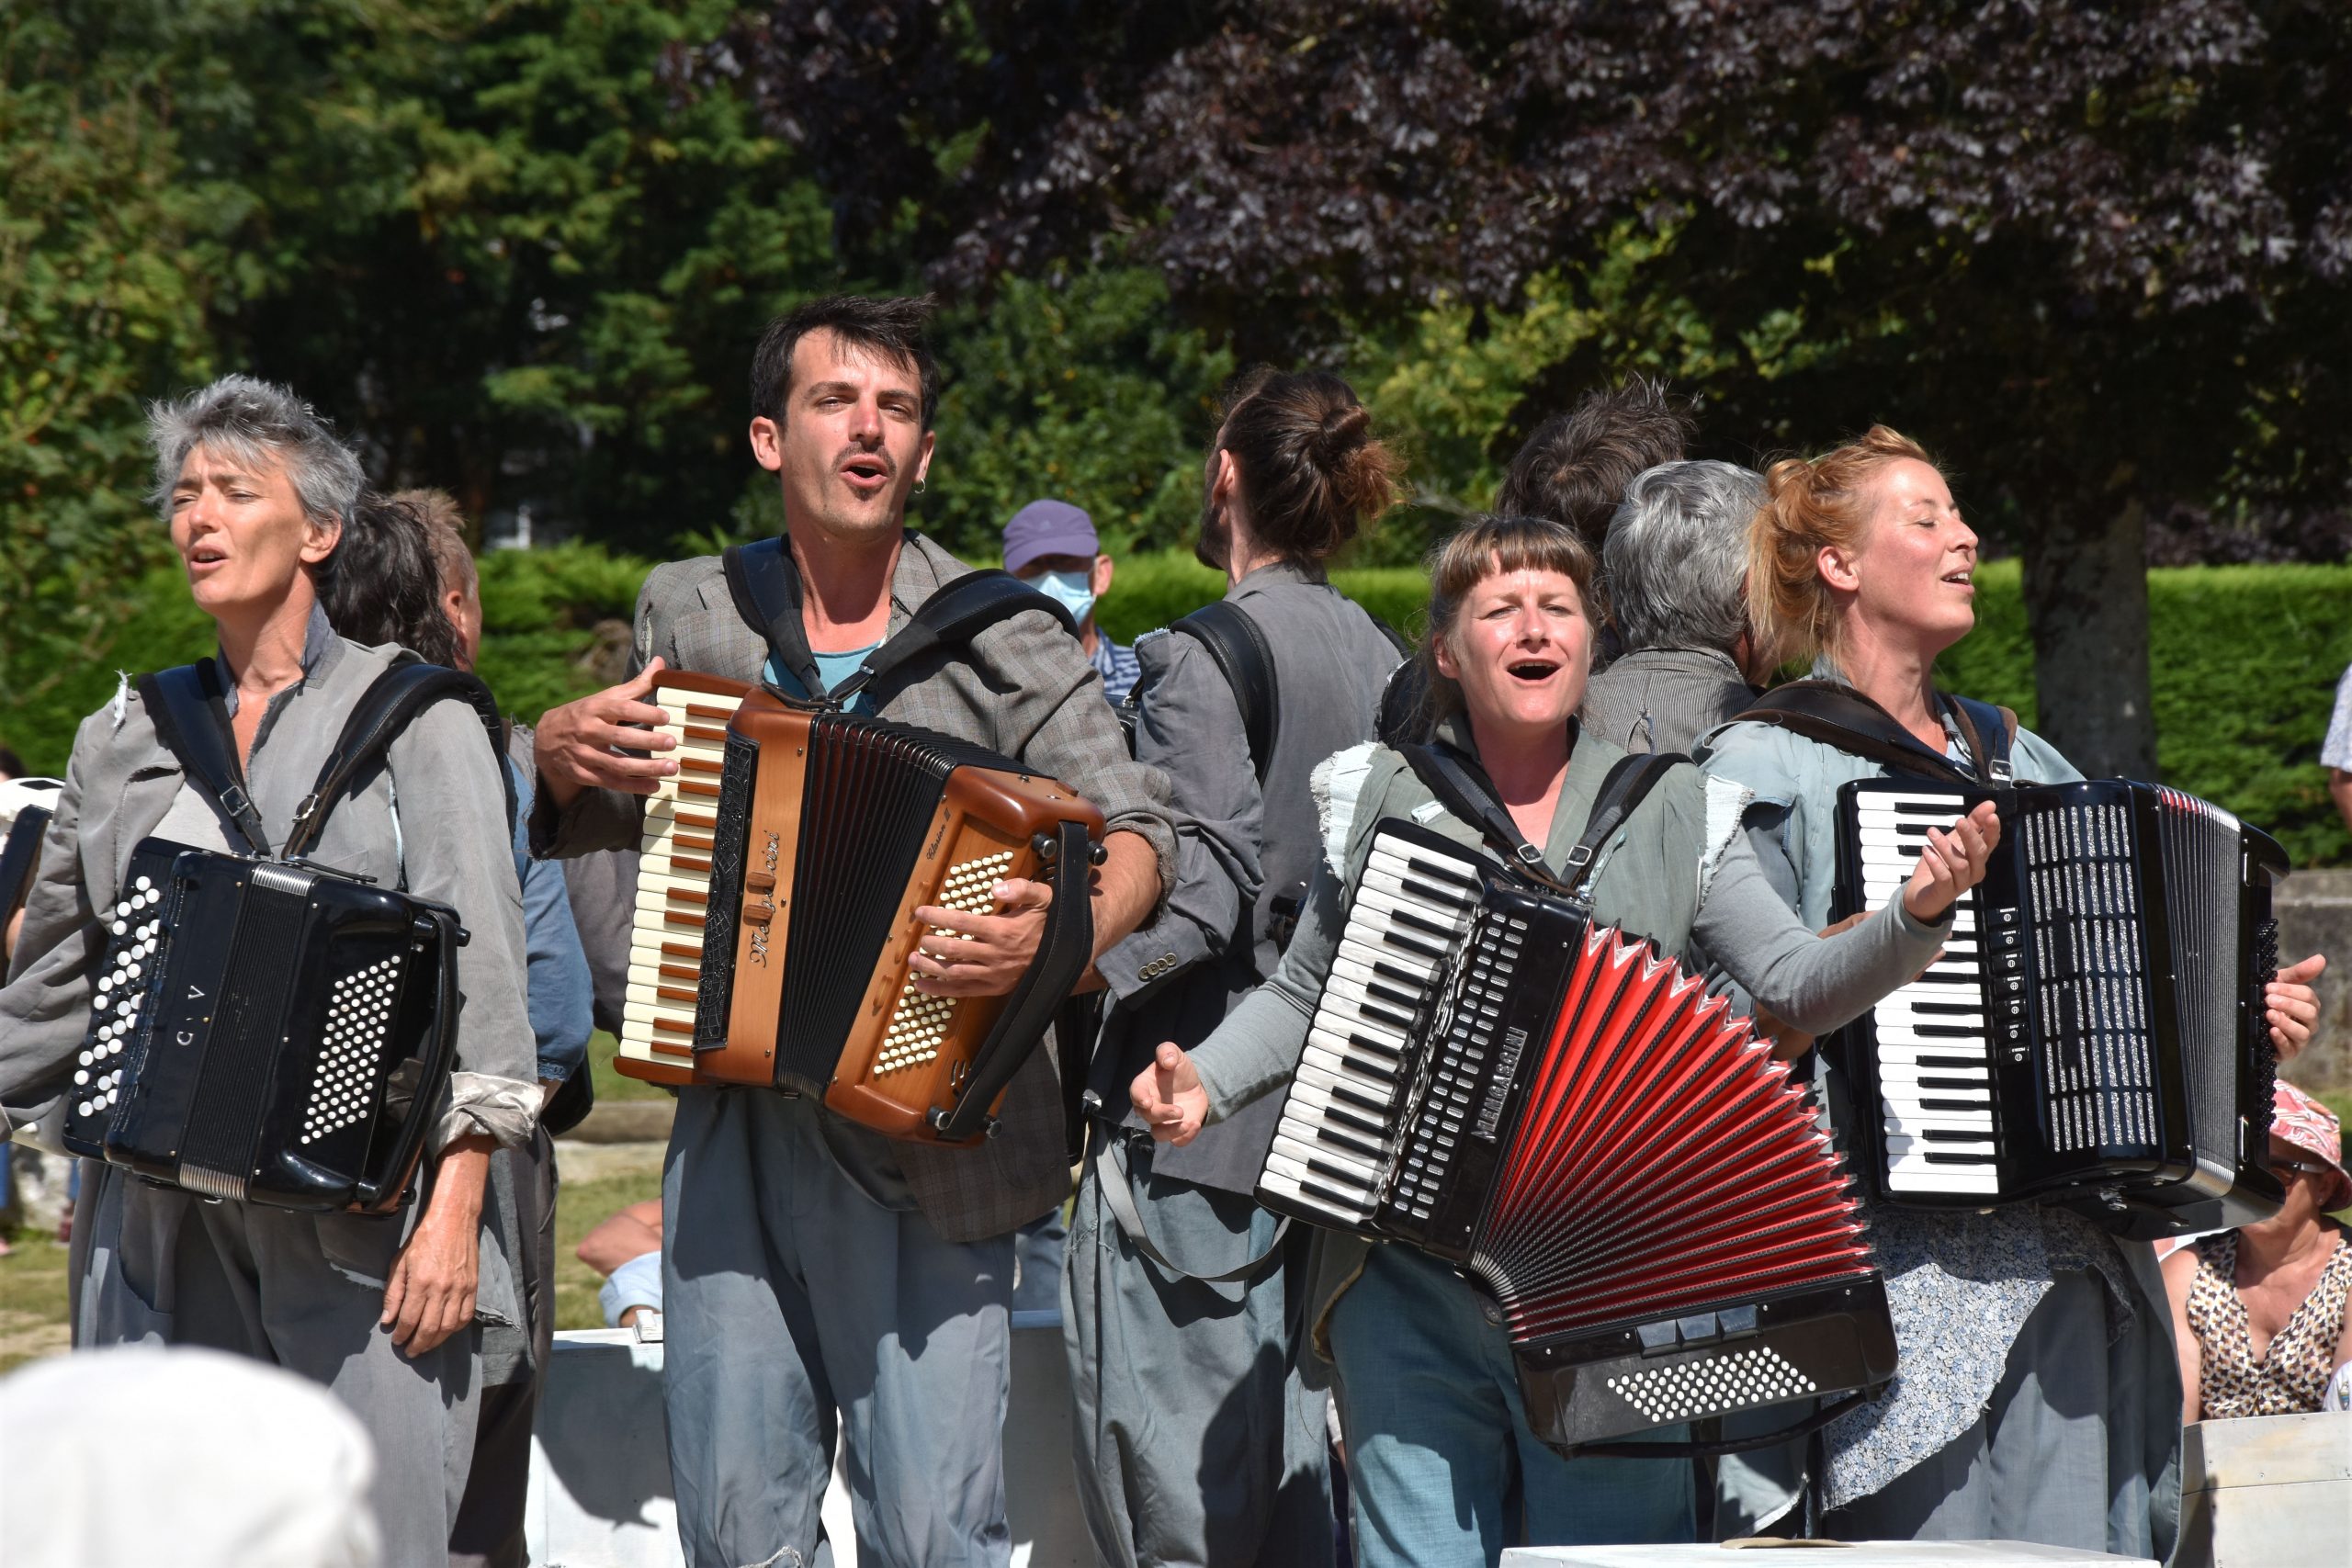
[(1063, 954), (187, 707), (395, 697)]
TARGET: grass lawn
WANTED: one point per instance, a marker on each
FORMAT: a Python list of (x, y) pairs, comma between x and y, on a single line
[(32, 1298), (610, 1084), (579, 1207)]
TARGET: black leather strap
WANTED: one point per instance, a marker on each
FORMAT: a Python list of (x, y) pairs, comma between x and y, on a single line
[(952, 617), (189, 706), (1462, 787), (1062, 956), (395, 697), (765, 587), (1837, 714), (1239, 650)]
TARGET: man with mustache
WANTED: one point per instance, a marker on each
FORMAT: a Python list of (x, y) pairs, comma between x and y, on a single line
[(819, 1280)]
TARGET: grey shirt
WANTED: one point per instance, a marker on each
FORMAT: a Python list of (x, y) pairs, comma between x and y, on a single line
[(1024, 688), (433, 819), (1663, 699), (1241, 851)]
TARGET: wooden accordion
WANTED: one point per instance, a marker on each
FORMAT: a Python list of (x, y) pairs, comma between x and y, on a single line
[(1570, 1120), (783, 864), (266, 1032), (2094, 1032)]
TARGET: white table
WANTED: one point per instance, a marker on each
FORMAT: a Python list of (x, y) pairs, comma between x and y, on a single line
[(599, 1466), (1851, 1554)]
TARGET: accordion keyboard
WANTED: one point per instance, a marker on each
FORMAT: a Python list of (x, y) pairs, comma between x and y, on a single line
[(673, 883), (1334, 1141), (1934, 1038)]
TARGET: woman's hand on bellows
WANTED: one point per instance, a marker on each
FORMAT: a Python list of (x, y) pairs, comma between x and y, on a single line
[(2292, 1007), (1169, 1097), (1952, 863)]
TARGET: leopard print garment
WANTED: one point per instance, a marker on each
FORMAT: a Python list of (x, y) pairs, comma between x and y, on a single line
[(2293, 1371)]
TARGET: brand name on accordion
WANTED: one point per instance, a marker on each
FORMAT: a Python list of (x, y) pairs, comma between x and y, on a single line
[(1490, 1109)]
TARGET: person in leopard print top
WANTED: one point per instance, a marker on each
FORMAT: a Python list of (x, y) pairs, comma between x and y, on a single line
[(2258, 1313)]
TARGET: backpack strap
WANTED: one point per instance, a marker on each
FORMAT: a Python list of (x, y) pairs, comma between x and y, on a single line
[(765, 587), (1239, 650), (1838, 716), (383, 710), (188, 708)]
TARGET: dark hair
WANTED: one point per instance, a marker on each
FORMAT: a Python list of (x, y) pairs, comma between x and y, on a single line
[(11, 766), (1486, 547), (891, 327), (1576, 467), (1311, 467), (387, 585)]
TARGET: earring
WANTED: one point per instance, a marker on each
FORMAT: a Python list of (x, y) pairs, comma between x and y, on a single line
[(918, 487)]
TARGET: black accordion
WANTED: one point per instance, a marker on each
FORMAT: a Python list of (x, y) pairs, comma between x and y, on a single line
[(2094, 1032), (1567, 1117), (263, 1029)]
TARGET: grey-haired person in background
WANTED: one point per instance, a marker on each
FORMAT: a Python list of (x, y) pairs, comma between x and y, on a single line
[(1675, 571)]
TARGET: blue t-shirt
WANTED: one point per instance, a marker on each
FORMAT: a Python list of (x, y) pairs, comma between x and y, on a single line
[(832, 668)]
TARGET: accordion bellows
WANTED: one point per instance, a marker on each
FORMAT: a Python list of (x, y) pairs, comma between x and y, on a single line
[(1568, 1118)]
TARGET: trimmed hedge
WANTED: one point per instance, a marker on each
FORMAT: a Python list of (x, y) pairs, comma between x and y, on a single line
[(2245, 664)]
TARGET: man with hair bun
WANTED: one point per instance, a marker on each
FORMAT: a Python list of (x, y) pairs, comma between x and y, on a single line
[(1675, 571), (1198, 1440)]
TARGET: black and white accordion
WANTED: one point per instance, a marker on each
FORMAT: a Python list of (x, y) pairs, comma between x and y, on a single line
[(2094, 1031), (260, 1027), (1567, 1116), (262, 1032)]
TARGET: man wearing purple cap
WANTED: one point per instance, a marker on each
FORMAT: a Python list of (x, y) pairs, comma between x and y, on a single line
[(1051, 546)]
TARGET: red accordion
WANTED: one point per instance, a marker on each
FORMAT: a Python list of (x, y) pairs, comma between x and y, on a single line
[(1568, 1117)]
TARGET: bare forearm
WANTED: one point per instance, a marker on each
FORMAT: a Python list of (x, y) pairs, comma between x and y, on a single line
[(2339, 789), (1127, 888), (459, 1179)]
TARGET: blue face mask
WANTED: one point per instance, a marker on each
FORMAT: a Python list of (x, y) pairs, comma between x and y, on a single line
[(1074, 591)]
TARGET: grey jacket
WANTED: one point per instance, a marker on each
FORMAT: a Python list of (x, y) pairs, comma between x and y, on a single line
[(1663, 699), (1024, 688), (447, 840), (1240, 849)]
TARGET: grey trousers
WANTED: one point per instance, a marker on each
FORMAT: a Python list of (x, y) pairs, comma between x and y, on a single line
[(1196, 1441), (488, 1532), (2055, 1458), (805, 1298), (303, 1291)]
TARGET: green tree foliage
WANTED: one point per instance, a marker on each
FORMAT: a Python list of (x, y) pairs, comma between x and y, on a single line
[(98, 308)]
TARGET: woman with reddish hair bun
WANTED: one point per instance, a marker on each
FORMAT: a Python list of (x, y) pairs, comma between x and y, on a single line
[(2038, 1396)]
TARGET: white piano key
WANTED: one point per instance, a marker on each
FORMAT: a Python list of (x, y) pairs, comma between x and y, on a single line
[(1900, 1146), (1335, 1166), (1288, 1187), (1910, 1072), (1983, 1180)]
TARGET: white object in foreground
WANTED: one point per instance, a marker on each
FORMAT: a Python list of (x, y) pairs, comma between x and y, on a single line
[(1849, 1554), (2267, 1492)]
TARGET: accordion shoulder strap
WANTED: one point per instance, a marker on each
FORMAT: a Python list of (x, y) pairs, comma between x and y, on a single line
[(765, 587), (190, 713), (1462, 787), (395, 697), (1837, 714)]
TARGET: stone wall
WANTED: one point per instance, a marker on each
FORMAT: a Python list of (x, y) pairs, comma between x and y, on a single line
[(2315, 916)]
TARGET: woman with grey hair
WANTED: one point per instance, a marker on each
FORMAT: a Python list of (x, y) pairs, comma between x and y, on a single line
[(1675, 570), (257, 492)]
